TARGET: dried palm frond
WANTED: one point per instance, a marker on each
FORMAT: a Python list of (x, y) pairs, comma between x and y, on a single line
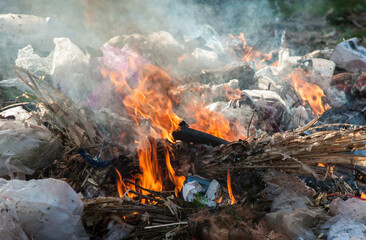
[(288, 150), (61, 112)]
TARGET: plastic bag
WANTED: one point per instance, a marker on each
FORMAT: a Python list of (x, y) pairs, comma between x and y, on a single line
[(68, 66), (349, 221), (35, 64), (42, 209), (25, 145), (9, 223)]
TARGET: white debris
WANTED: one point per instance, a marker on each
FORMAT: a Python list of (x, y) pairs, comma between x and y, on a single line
[(205, 57), (213, 192), (40, 209), (68, 66), (300, 116), (350, 55), (268, 96), (322, 72), (190, 189), (349, 220), (25, 145)]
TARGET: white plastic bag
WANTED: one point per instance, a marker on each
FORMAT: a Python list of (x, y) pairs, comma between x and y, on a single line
[(42, 209), (349, 221), (25, 145)]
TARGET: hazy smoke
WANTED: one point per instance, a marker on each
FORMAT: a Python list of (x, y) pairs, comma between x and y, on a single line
[(114, 17)]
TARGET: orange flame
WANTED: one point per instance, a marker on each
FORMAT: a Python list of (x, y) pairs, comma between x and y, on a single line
[(331, 167), (331, 170), (308, 92), (120, 184), (148, 100), (214, 123), (249, 54), (363, 196), (177, 180), (122, 187), (151, 177), (232, 199)]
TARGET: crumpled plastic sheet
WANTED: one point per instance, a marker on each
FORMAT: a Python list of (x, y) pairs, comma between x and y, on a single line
[(291, 216), (10, 227), (19, 30), (350, 219), (295, 224), (346, 228), (190, 189), (25, 145), (117, 231), (70, 69), (35, 64), (40, 209)]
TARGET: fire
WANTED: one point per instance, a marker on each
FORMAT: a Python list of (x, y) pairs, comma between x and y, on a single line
[(331, 168), (122, 187), (248, 53), (214, 123), (232, 199), (308, 92), (151, 176), (177, 180), (120, 184), (148, 100), (363, 196)]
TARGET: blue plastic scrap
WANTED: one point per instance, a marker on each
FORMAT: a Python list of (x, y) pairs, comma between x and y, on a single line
[(95, 161)]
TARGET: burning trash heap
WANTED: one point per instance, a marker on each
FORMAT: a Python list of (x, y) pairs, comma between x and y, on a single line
[(159, 138)]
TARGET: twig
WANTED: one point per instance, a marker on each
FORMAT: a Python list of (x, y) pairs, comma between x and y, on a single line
[(145, 189), (167, 225), (15, 105), (146, 197), (250, 123), (250, 52)]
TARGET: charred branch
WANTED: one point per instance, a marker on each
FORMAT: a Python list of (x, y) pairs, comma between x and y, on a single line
[(190, 135)]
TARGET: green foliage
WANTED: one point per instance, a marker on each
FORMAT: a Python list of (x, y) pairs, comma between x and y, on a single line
[(340, 8)]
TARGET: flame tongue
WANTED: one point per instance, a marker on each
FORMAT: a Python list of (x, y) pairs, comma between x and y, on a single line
[(214, 123), (232, 198), (151, 178), (308, 92), (150, 100), (248, 53)]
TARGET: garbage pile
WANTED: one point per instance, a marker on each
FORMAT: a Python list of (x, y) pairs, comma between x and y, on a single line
[(204, 138)]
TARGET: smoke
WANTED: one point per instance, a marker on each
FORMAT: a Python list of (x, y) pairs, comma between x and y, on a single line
[(105, 19)]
